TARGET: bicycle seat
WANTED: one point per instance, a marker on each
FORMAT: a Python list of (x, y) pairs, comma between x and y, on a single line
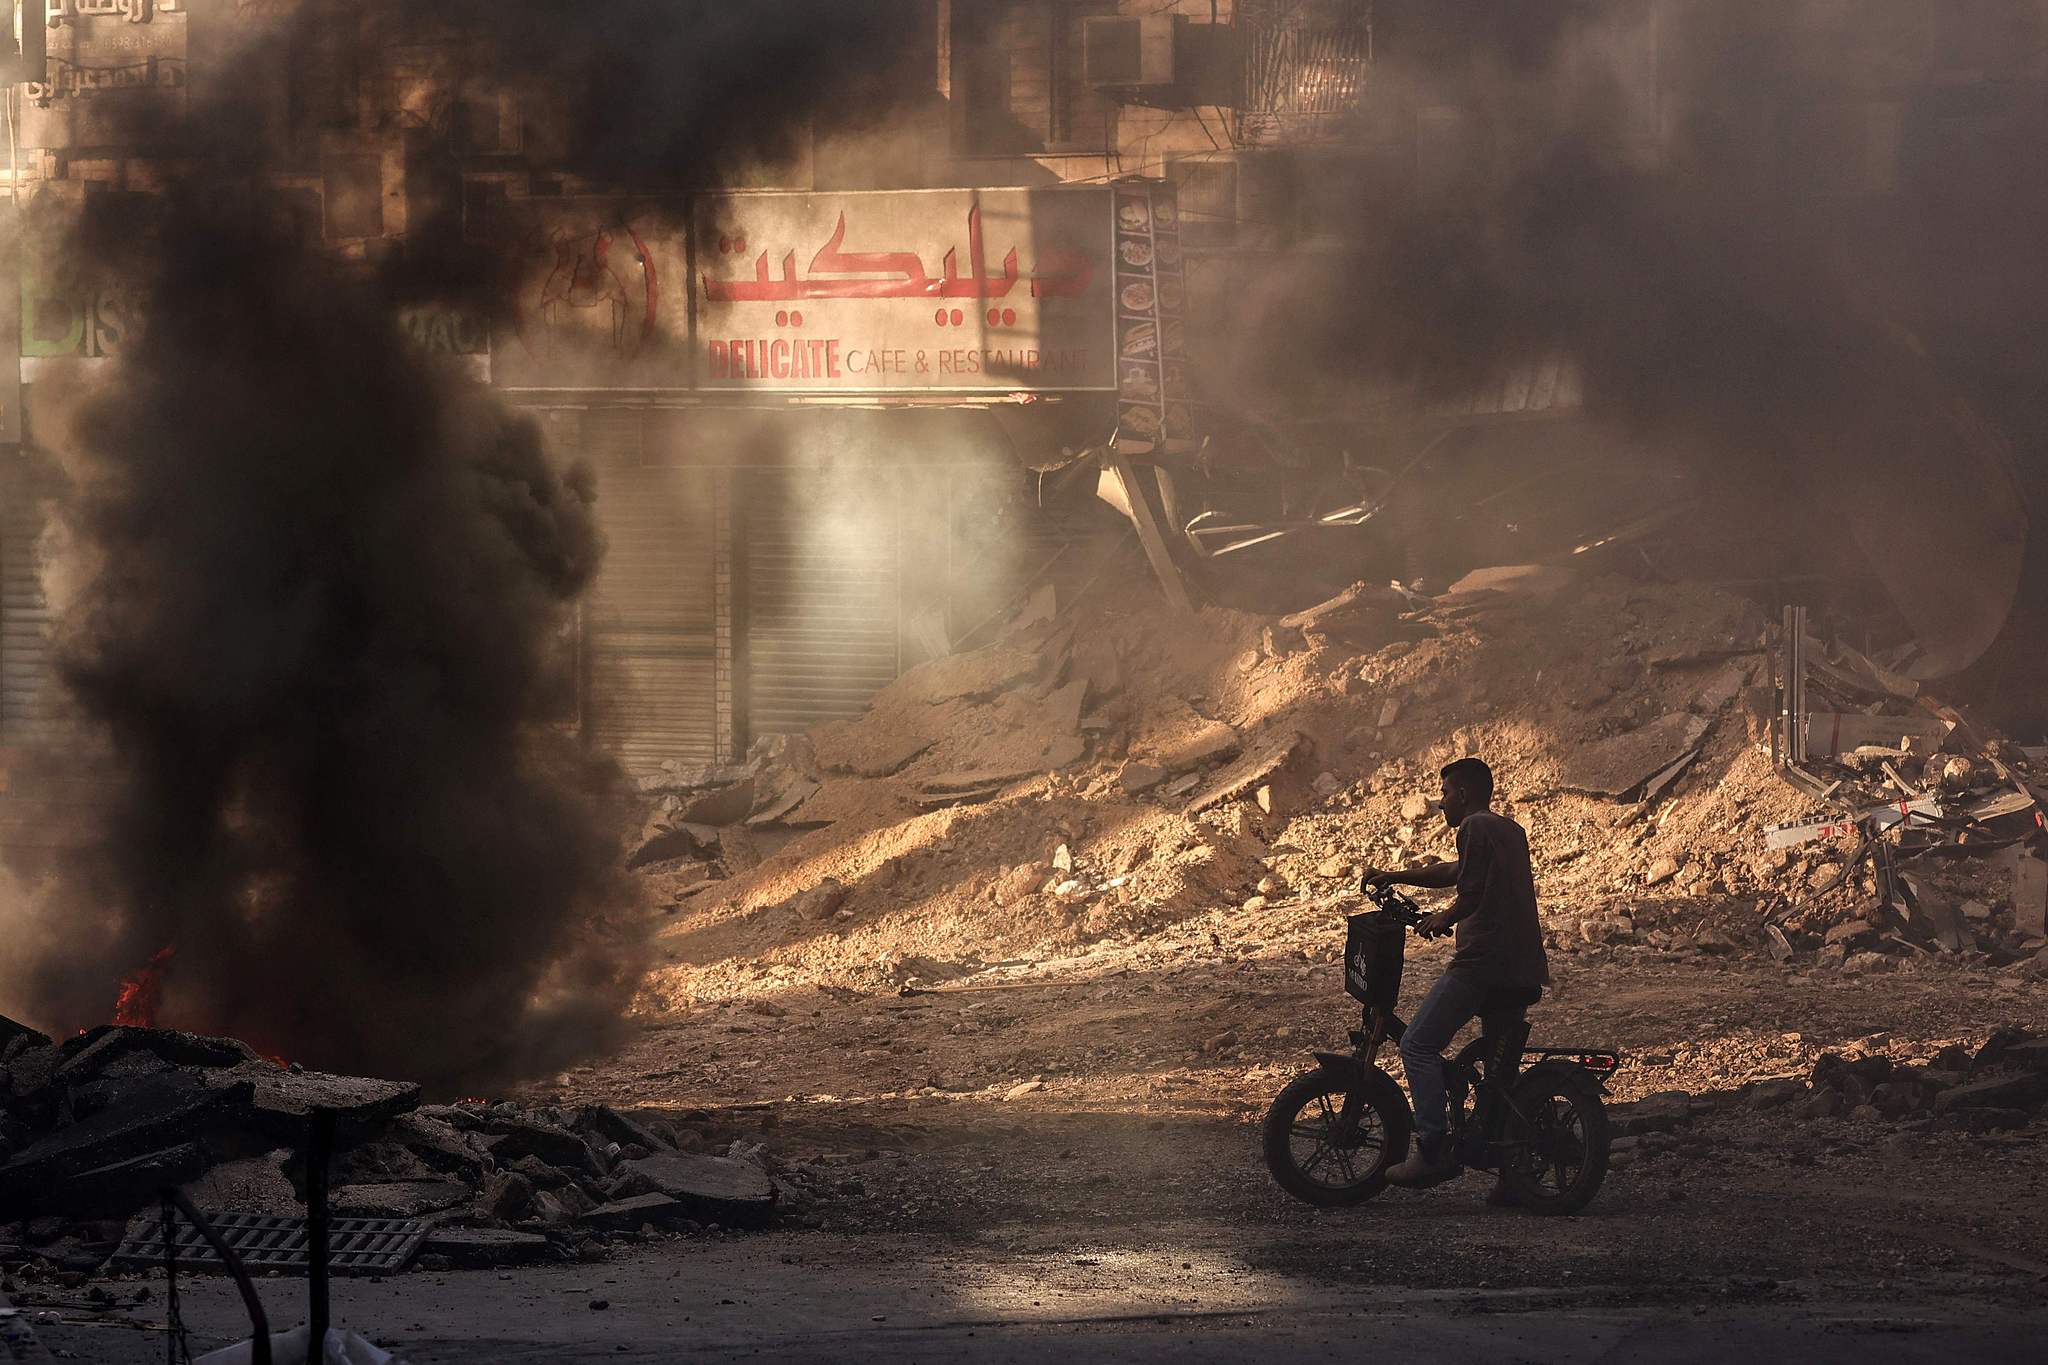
[(1502, 998)]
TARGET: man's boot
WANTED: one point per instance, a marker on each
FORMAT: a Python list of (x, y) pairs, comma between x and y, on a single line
[(1431, 1164)]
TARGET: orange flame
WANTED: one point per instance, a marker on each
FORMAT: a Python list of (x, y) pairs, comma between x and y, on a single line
[(142, 991)]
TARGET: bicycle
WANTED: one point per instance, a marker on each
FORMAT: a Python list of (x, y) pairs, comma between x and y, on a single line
[(1541, 1126)]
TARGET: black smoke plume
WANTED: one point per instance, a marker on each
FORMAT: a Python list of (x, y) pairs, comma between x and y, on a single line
[(1755, 227), (317, 596)]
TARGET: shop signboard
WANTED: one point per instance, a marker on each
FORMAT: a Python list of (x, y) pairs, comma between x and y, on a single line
[(957, 291)]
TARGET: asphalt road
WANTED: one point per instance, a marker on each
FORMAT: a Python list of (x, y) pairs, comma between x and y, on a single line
[(820, 1297)]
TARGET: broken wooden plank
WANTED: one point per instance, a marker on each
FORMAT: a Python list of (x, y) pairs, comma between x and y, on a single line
[(1910, 791)]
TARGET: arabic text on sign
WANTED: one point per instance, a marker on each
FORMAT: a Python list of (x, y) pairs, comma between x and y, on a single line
[(835, 273), (69, 78)]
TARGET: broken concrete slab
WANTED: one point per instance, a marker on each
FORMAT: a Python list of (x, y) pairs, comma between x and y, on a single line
[(115, 1189), (1617, 768), (285, 1097), (662, 841), (781, 807), (32, 1069), (603, 1121), (1138, 778), (437, 1144), (1175, 737), (1258, 763), (510, 1138), (162, 1111), (977, 673), (256, 1184), (85, 1053), (399, 1199), (724, 806), (481, 1248), (1718, 692), (623, 1215), (12, 1030), (712, 1188), (2017, 1091)]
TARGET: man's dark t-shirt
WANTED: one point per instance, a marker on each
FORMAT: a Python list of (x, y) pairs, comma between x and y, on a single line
[(1500, 943)]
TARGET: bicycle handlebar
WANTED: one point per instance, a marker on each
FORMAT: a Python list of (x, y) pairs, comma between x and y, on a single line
[(1395, 904)]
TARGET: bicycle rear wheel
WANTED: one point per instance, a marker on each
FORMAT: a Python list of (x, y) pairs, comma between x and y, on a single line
[(1554, 1144), (1329, 1139)]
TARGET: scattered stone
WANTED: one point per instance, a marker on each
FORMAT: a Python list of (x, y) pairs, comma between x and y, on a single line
[(1775, 1094), (1390, 712), (1416, 807), (1138, 778), (1023, 1088), (1850, 933), (1018, 883), (506, 1195), (820, 901), (1661, 871)]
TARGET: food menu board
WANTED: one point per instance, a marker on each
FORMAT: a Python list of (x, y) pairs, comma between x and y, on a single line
[(1154, 411)]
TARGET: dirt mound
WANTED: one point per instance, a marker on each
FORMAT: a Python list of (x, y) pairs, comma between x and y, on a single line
[(1110, 773)]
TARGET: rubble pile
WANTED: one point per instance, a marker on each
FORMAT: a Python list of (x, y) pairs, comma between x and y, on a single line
[(2000, 1085), (1099, 774), (94, 1127)]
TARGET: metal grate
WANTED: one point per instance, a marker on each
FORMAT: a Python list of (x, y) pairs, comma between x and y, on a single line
[(355, 1246)]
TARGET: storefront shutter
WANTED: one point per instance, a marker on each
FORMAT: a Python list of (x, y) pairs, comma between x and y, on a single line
[(650, 619), (821, 560)]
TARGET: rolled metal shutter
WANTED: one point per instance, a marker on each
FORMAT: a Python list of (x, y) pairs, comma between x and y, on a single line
[(821, 597), (649, 626), (30, 707)]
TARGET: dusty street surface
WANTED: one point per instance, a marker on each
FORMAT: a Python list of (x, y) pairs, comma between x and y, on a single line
[(1118, 1210)]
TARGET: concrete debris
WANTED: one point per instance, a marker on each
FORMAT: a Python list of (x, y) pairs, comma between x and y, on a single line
[(117, 1119), (1620, 767), (710, 1188), (1362, 617), (1174, 737), (1258, 763)]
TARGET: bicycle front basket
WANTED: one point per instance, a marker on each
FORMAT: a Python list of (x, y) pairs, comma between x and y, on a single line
[(1375, 944)]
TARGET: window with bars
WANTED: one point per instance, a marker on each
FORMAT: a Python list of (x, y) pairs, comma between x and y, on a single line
[(1305, 63)]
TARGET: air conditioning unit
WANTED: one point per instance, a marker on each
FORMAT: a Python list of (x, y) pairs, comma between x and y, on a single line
[(1131, 52)]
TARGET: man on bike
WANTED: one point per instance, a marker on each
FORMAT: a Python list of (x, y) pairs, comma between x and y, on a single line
[(1499, 969)]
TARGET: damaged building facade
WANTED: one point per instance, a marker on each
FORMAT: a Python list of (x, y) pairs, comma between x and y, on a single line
[(848, 402)]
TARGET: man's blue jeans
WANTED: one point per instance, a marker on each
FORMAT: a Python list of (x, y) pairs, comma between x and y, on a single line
[(1450, 1004)]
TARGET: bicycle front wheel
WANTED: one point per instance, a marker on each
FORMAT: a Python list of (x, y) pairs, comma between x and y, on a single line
[(1330, 1139)]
